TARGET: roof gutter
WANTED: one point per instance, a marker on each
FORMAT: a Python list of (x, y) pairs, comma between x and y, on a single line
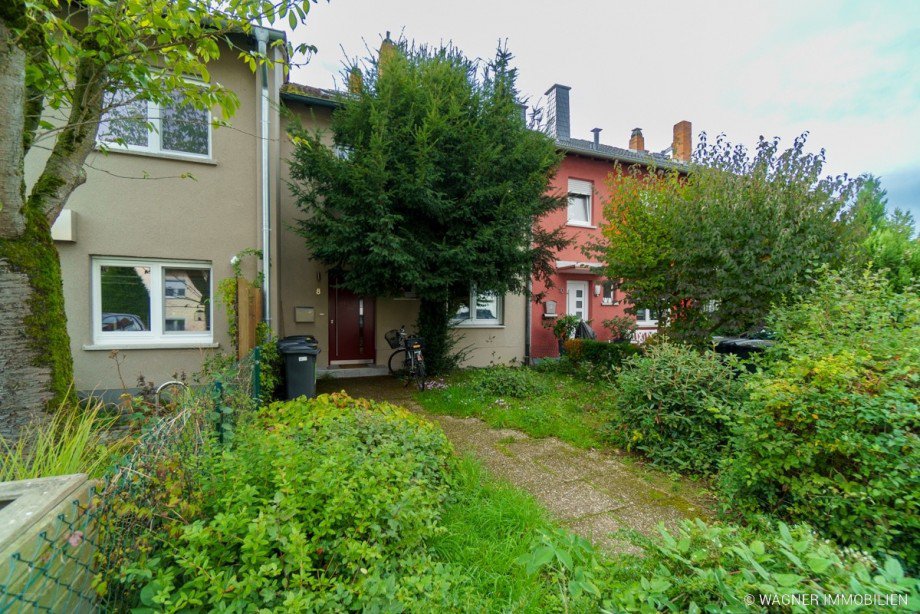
[(311, 100)]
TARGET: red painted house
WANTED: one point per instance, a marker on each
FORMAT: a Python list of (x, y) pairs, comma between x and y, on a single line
[(579, 286)]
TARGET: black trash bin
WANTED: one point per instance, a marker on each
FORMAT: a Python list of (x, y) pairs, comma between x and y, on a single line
[(299, 354)]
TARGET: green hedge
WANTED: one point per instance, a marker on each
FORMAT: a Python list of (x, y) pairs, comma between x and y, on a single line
[(320, 505)]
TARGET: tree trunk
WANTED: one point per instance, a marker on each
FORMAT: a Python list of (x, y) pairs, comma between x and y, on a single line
[(36, 369), (434, 328)]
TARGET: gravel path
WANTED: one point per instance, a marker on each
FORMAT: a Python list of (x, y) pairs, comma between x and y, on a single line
[(591, 492)]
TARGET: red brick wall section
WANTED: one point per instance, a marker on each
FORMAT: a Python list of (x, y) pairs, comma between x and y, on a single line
[(543, 344)]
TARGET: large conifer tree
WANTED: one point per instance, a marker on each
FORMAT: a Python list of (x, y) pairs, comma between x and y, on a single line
[(434, 184)]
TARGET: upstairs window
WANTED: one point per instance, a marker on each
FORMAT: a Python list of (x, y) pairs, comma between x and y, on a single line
[(480, 309), (580, 193), (609, 293), (141, 125)]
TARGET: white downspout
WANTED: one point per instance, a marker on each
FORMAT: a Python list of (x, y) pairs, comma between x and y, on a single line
[(262, 38)]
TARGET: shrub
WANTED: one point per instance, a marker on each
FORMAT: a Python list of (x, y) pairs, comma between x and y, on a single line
[(829, 433), (320, 505), (673, 405), (725, 568), (504, 381), (622, 328), (571, 349), (564, 326), (605, 355)]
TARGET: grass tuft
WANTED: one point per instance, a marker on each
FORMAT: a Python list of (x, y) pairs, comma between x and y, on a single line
[(489, 526), (71, 442)]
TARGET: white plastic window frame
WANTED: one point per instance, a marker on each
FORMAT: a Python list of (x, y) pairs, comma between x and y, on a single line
[(157, 335), (153, 146), (473, 321), (582, 189)]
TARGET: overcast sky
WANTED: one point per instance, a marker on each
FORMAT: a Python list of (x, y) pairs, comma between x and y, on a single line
[(848, 72)]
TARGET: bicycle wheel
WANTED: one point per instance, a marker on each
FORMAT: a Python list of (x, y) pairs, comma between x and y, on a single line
[(420, 375), (397, 362)]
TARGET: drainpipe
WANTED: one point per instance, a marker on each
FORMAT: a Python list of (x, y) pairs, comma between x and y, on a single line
[(262, 39), (527, 323)]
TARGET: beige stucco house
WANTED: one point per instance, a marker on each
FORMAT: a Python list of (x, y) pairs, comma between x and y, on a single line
[(144, 242)]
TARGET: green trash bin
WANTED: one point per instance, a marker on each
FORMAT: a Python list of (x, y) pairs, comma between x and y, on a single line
[(299, 356)]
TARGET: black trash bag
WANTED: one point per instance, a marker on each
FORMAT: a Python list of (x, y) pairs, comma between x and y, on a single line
[(584, 331)]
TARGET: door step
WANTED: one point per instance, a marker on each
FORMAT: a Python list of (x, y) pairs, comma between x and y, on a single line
[(339, 372)]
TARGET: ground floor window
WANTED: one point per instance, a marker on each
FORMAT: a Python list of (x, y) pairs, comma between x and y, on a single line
[(479, 309), (151, 301), (645, 317)]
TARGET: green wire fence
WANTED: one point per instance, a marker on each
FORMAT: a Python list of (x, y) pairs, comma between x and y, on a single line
[(81, 559)]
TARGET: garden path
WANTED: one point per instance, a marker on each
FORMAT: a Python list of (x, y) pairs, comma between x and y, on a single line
[(591, 492)]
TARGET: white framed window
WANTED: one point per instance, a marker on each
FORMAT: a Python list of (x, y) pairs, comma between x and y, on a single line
[(151, 302), (608, 293), (645, 317), (146, 126), (580, 197), (479, 309)]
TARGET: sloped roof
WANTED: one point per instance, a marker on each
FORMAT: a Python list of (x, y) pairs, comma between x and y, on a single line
[(313, 95), (332, 98), (618, 154)]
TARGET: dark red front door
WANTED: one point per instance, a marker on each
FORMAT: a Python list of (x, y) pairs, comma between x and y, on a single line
[(351, 325)]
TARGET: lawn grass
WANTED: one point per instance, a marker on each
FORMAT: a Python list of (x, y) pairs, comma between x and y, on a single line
[(565, 407), (488, 526)]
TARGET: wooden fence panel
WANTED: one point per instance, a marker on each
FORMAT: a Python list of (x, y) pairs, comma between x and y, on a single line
[(249, 314)]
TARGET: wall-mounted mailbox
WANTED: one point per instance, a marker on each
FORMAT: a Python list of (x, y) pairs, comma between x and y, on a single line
[(304, 314), (549, 309)]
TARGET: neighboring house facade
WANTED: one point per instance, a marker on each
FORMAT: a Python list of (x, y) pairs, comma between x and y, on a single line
[(578, 285), (143, 246)]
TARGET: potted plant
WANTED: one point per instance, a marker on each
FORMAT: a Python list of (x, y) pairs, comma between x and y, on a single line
[(563, 328)]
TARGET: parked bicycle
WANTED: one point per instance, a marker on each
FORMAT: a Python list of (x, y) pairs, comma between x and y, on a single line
[(407, 360)]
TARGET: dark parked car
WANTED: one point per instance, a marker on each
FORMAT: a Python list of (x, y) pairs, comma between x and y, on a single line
[(122, 322), (745, 345)]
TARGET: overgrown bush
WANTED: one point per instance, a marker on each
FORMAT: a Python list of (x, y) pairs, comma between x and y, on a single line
[(725, 568), (608, 356), (673, 404), (321, 505), (829, 433), (504, 381)]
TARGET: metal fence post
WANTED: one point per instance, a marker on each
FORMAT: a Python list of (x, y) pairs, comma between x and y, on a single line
[(257, 374), (219, 409)]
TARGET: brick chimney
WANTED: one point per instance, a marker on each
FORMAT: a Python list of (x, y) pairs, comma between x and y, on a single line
[(682, 147), (557, 110), (355, 80), (636, 140), (387, 51)]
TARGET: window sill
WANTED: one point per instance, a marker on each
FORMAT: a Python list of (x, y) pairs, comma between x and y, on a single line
[(581, 225), (478, 325), (192, 345), (157, 154)]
